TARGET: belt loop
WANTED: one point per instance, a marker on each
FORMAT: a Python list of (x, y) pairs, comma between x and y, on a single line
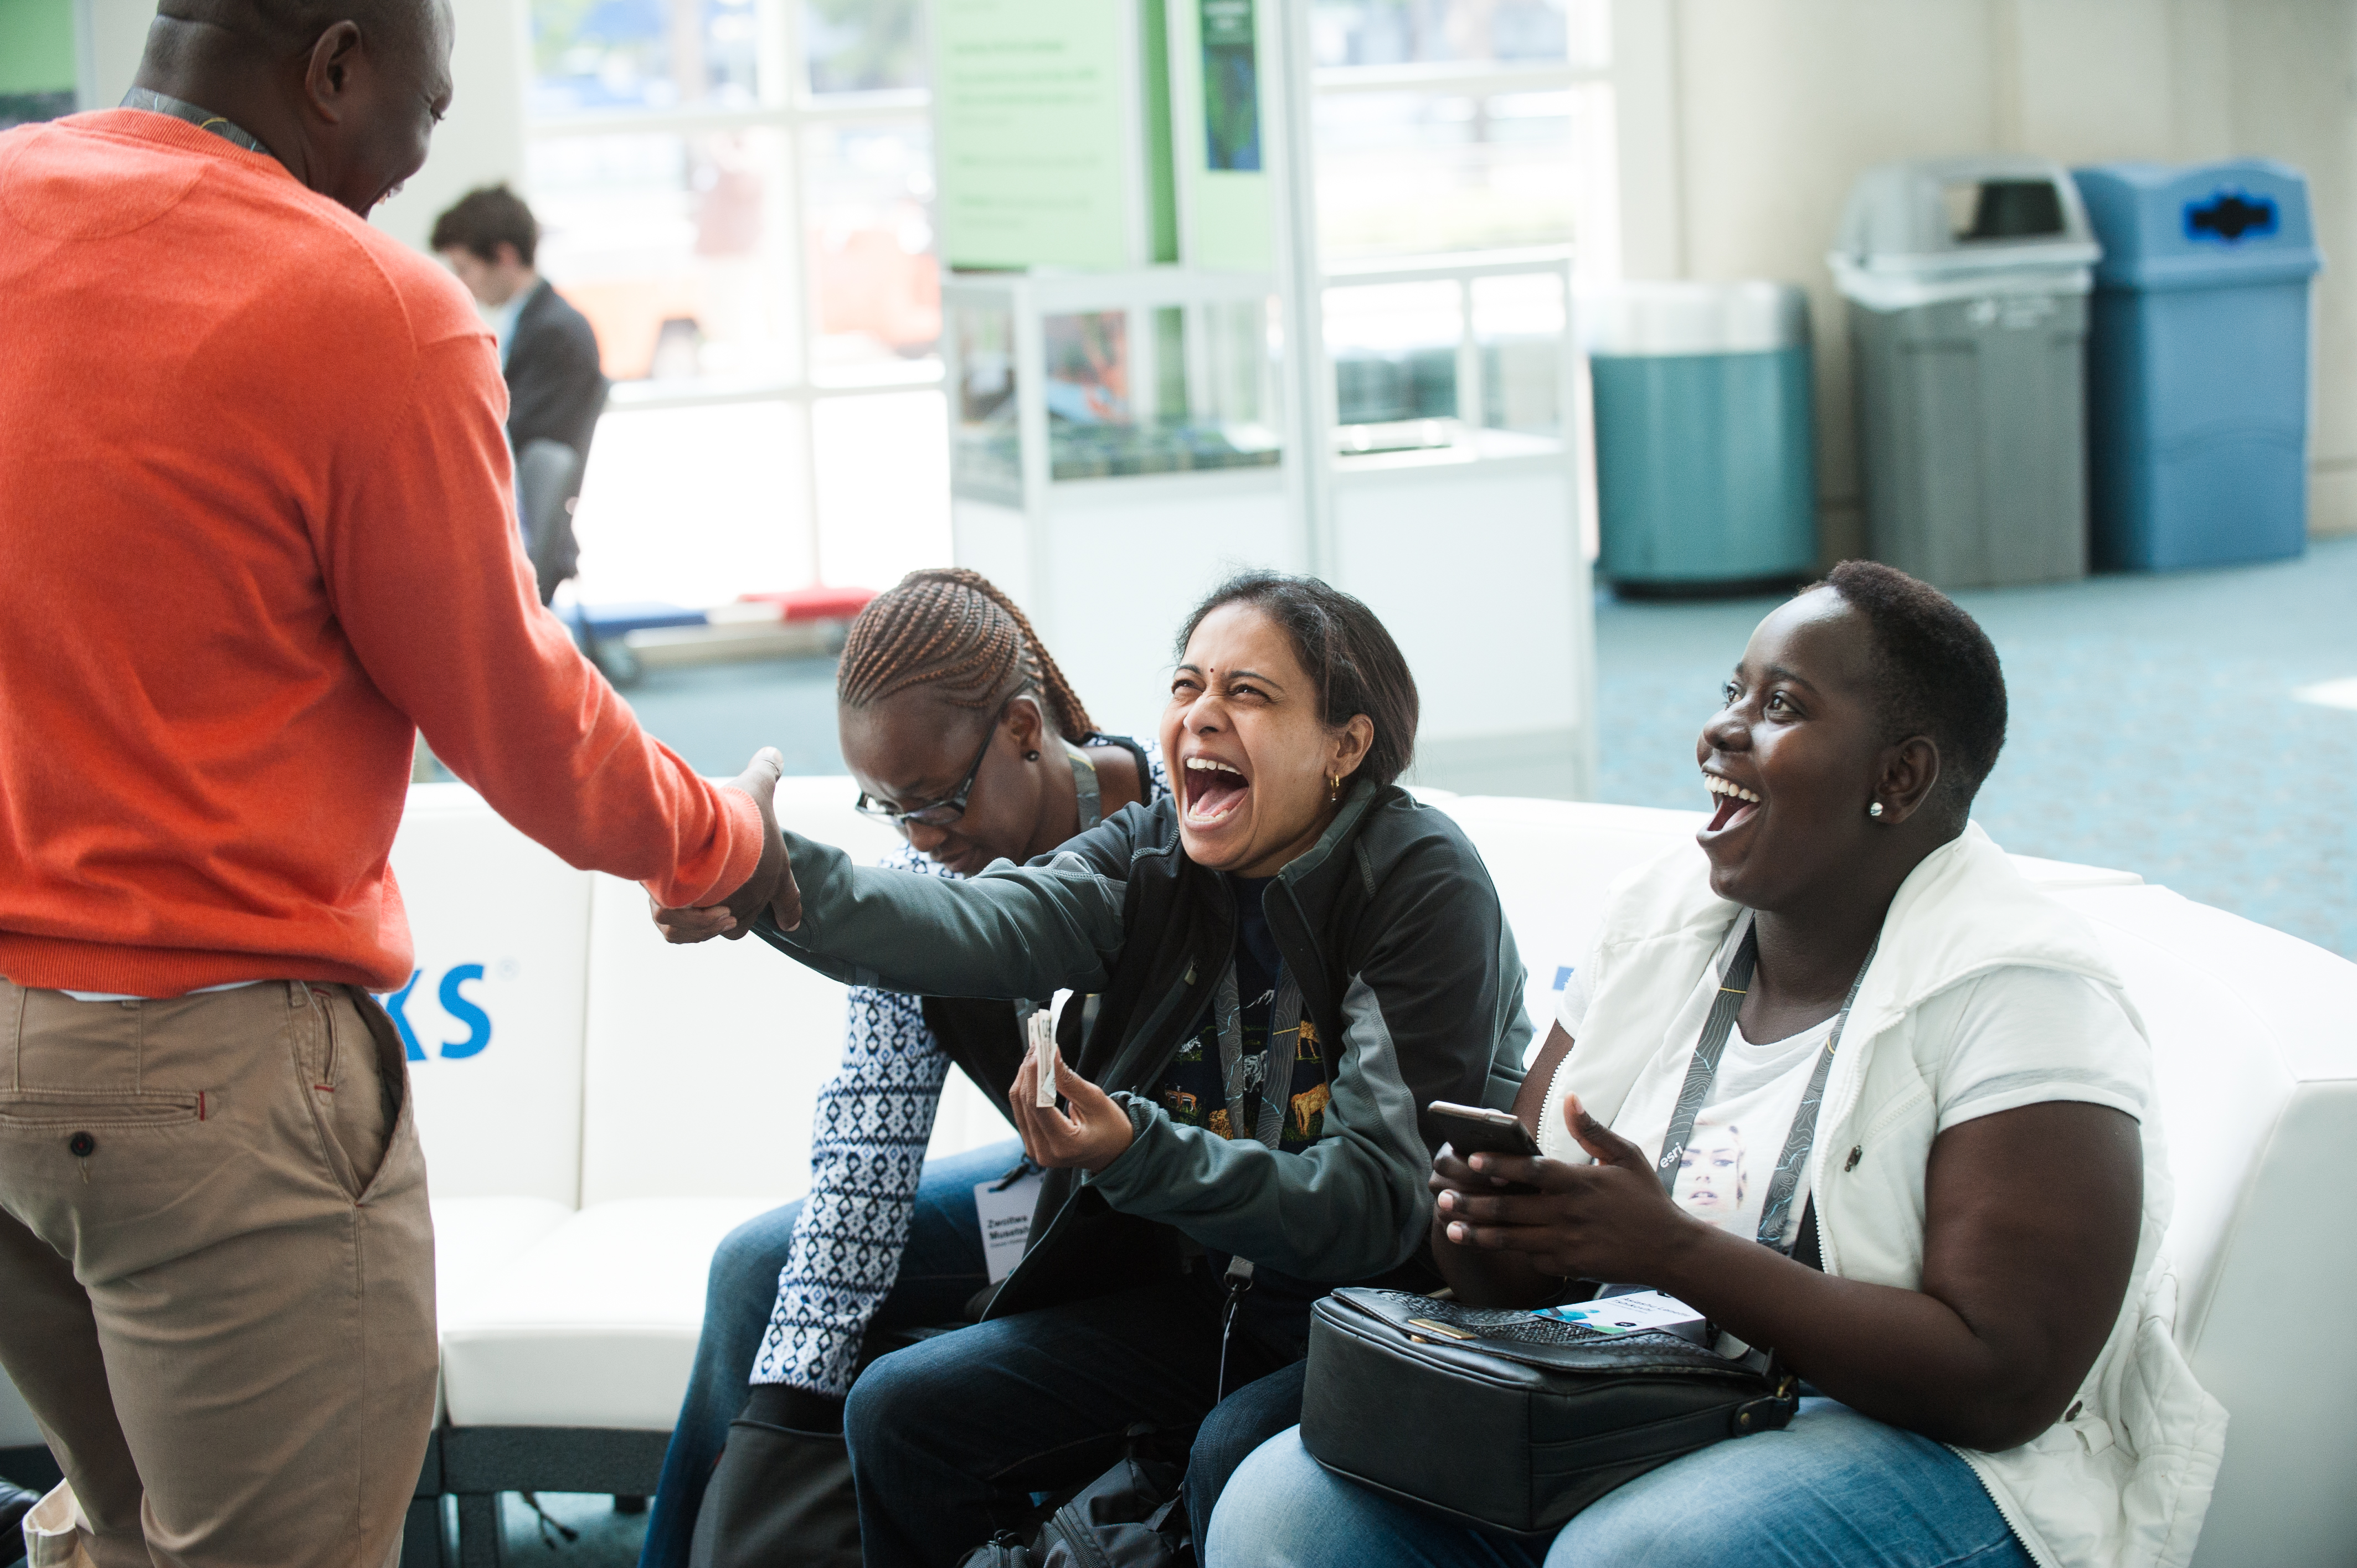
[(17, 999), (297, 995)]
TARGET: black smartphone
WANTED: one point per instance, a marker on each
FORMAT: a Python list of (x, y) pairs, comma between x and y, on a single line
[(1471, 1130)]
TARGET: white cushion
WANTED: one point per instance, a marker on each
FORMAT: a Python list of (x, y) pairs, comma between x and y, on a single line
[(495, 1009), (595, 1323), (478, 1240), (2256, 1059)]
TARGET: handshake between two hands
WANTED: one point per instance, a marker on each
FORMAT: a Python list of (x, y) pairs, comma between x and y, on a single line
[(772, 885), (1089, 1130)]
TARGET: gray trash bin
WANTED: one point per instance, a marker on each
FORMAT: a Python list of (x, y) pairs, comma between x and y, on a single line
[(1967, 281)]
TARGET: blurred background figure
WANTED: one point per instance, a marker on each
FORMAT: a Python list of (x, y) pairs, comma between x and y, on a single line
[(549, 353)]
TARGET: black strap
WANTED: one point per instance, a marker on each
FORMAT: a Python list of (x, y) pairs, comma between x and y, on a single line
[(202, 119), (1265, 1081), (1702, 1071), (1086, 795), (1273, 1089)]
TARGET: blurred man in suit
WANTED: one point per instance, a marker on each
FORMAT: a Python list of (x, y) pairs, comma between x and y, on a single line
[(549, 353)]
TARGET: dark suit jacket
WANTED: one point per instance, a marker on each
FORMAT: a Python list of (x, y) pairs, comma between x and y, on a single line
[(555, 388)]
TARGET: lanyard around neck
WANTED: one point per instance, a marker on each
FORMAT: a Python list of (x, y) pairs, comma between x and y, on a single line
[(1702, 1070), (1270, 1071), (155, 102), (1088, 794)]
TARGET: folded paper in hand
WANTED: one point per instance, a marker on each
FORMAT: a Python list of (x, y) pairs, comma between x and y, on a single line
[(1043, 1056)]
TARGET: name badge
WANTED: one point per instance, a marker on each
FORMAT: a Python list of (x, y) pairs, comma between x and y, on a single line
[(1631, 1314), (1006, 1214)]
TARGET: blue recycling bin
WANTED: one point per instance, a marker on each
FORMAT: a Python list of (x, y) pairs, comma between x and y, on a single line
[(1706, 462), (2198, 363)]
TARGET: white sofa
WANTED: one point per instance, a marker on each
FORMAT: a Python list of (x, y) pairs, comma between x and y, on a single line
[(599, 1110)]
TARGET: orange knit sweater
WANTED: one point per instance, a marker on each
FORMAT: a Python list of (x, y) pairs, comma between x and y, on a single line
[(255, 530)]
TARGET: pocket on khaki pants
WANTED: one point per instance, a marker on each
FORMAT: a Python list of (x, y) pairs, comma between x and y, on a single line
[(344, 1079), (56, 1533)]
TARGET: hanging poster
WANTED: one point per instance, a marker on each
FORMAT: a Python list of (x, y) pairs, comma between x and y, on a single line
[(1036, 117), (1230, 86)]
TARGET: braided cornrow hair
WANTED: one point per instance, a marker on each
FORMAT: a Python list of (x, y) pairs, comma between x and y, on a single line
[(955, 630)]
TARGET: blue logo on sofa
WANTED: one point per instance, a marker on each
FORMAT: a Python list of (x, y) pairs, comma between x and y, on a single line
[(461, 1008)]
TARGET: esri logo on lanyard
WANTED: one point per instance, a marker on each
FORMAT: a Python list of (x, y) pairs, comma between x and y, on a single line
[(1702, 1070)]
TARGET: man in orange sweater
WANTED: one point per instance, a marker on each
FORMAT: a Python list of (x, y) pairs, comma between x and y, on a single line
[(255, 530)]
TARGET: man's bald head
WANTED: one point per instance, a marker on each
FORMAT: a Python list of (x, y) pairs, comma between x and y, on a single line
[(344, 93), (282, 26)]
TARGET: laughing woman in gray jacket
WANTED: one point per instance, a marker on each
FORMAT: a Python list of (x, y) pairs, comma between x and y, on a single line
[(1284, 963)]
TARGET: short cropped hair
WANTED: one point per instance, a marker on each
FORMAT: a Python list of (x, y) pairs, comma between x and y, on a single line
[(484, 219), (1346, 650), (297, 23), (1935, 671)]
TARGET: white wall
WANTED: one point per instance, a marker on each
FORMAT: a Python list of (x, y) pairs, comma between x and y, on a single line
[(118, 30), (482, 141), (1743, 122)]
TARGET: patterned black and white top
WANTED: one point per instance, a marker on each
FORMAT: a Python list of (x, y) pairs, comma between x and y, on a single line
[(868, 1152)]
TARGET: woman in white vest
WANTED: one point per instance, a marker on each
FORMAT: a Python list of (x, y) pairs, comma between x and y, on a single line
[(1919, 1166)]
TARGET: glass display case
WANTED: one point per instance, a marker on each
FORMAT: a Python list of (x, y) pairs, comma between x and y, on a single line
[(1458, 417), (1058, 377), (1468, 356), (1115, 437)]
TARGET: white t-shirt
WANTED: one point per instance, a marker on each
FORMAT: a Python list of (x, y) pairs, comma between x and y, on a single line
[(2014, 1037)]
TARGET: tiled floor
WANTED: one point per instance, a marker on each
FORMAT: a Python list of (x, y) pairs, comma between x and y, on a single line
[(2154, 724)]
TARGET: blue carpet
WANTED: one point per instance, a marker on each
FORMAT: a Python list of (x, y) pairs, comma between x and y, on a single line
[(2153, 728)]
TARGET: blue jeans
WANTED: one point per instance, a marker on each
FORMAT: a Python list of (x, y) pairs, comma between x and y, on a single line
[(1834, 1490), (940, 1269), (952, 1438)]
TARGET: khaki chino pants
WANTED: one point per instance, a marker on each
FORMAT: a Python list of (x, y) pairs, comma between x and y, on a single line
[(216, 1271)]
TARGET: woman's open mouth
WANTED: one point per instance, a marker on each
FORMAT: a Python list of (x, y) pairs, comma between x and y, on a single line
[(1736, 804), (1213, 791)]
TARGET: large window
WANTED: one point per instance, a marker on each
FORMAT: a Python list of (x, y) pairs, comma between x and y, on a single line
[(1456, 125), (739, 194)]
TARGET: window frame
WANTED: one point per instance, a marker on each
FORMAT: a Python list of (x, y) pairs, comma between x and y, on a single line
[(792, 111)]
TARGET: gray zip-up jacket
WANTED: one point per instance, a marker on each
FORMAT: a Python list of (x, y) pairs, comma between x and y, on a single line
[(1408, 973)]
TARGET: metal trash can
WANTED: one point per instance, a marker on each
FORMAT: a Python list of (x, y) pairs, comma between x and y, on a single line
[(2197, 362), (1706, 467), (1967, 281)]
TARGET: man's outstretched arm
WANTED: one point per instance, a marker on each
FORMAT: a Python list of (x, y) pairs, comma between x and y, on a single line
[(428, 575)]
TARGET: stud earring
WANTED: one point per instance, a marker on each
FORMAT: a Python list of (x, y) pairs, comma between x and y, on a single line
[(1034, 757), (1874, 810)]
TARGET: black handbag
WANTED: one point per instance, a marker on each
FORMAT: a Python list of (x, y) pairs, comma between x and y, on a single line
[(1515, 1423), (1507, 1421)]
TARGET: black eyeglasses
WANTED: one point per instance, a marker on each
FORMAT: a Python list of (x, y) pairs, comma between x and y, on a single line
[(946, 810)]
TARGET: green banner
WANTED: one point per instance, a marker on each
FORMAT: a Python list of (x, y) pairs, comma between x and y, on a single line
[(1036, 148)]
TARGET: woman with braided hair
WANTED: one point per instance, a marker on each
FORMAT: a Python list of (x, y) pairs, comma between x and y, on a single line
[(1284, 962), (963, 733)]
